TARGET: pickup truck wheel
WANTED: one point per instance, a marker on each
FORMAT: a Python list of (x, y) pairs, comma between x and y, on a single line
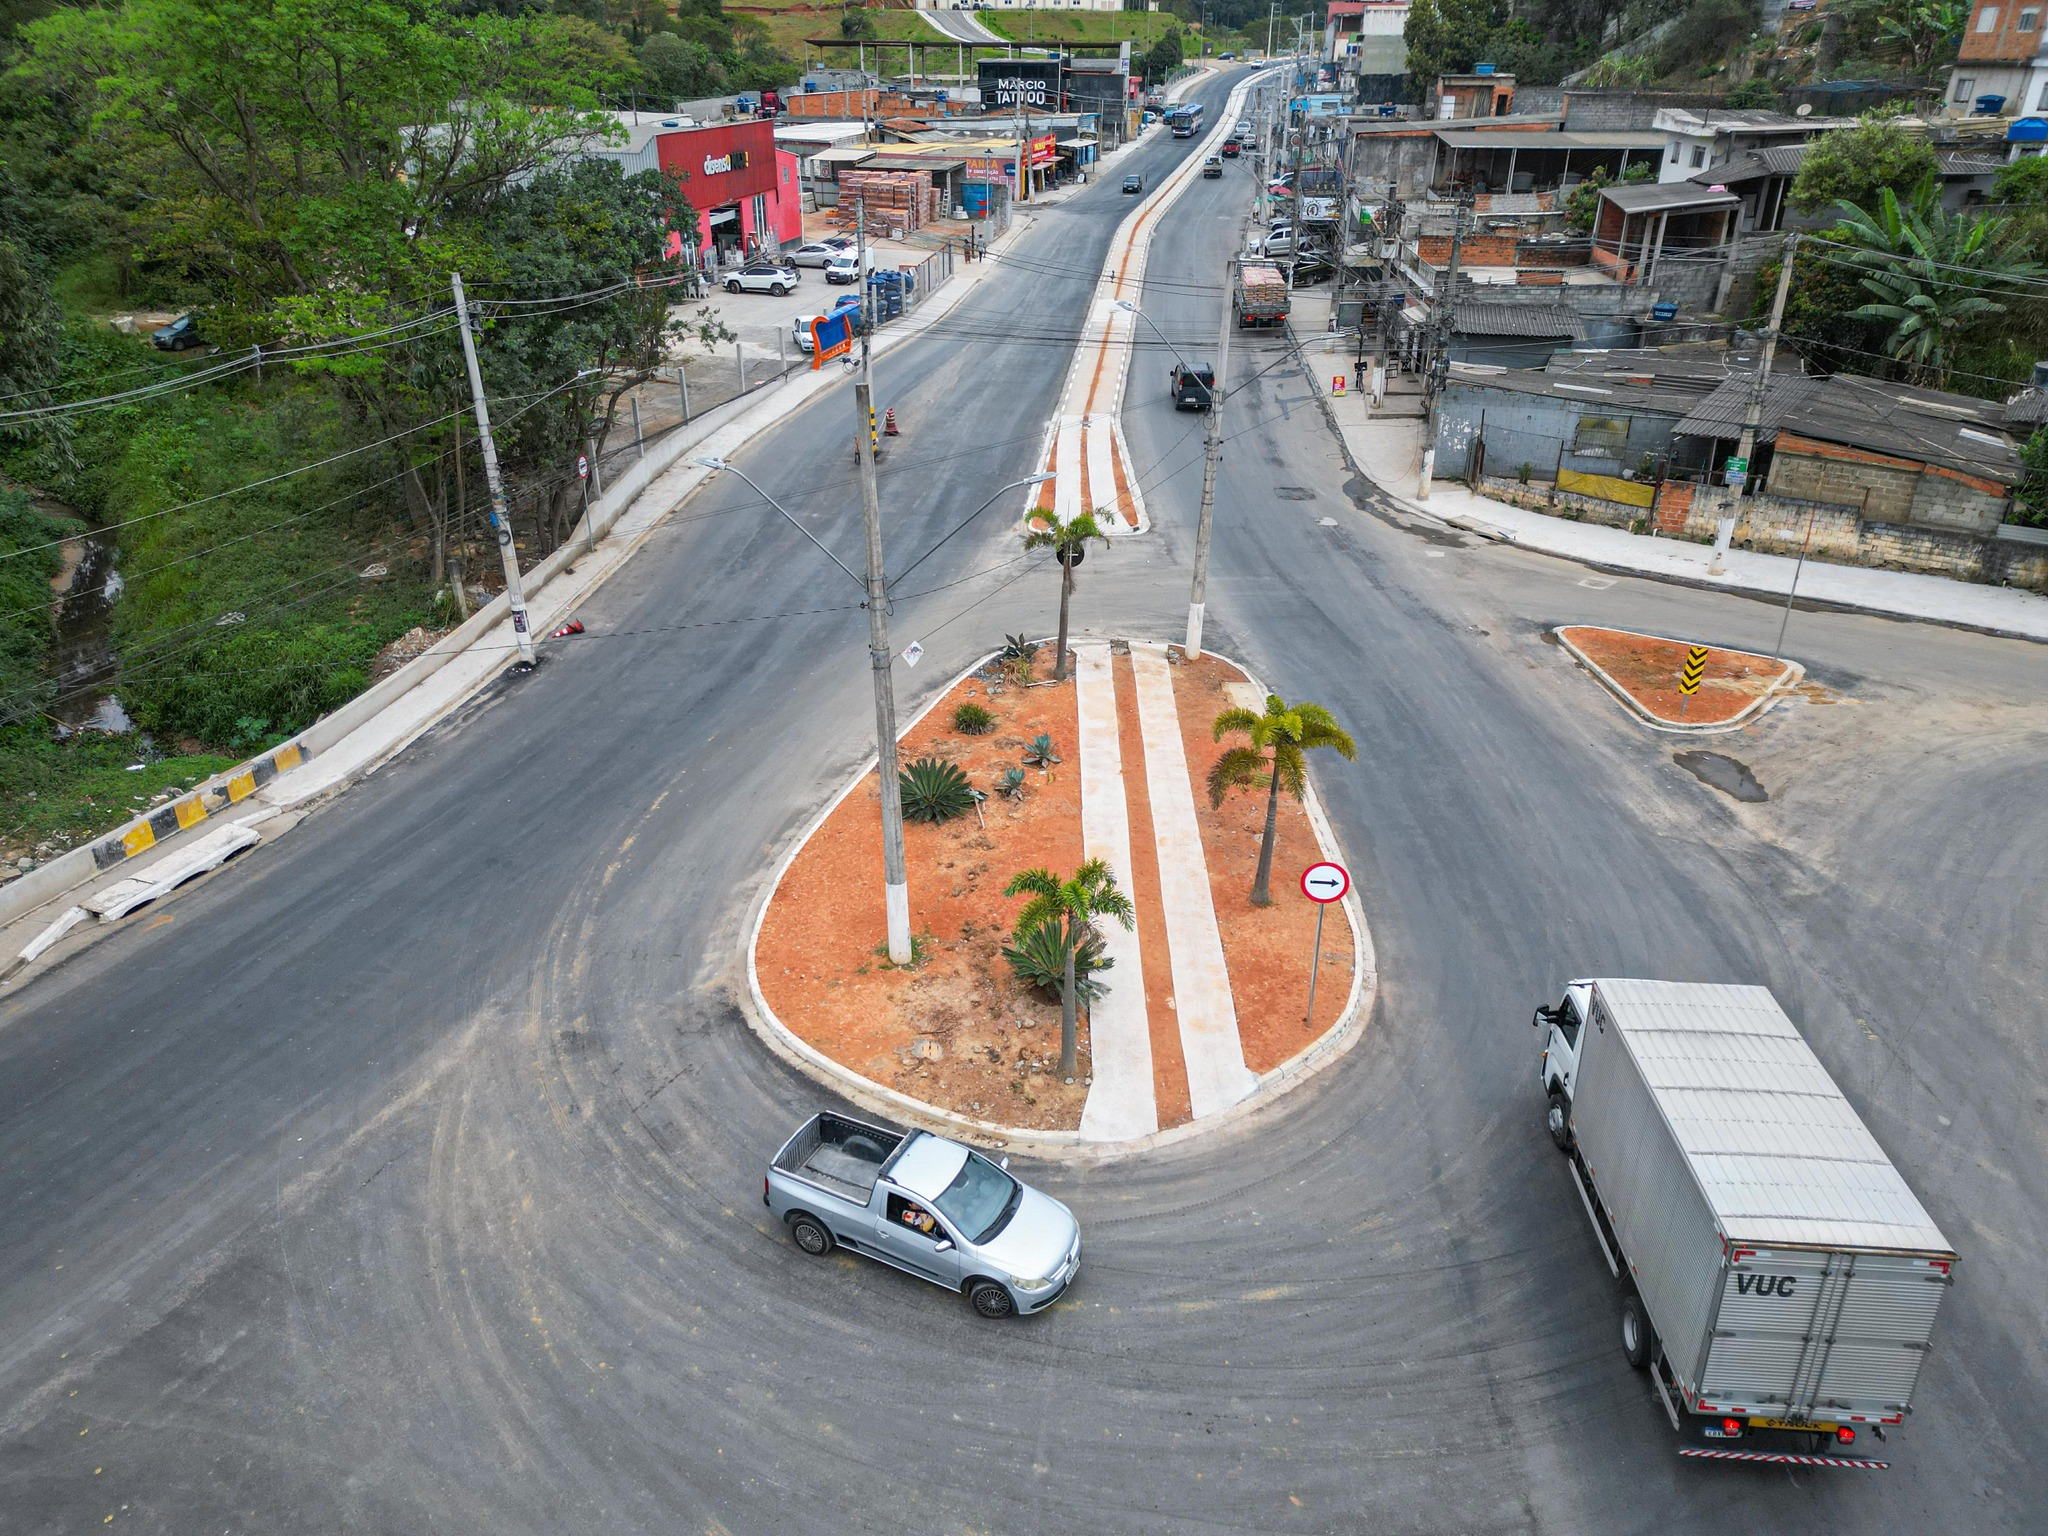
[(1557, 1119), (991, 1300), (811, 1235), (1635, 1332)]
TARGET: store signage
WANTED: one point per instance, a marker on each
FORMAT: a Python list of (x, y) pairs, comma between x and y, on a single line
[(1007, 84), (717, 165)]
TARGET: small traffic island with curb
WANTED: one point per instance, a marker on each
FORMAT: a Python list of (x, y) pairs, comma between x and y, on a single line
[(1680, 685), (1203, 1002)]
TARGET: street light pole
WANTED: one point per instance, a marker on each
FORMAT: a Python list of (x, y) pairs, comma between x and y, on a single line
[(895, 880), (501, 514)]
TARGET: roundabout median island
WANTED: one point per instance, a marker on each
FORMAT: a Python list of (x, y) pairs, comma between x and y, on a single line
[(1115, 818)]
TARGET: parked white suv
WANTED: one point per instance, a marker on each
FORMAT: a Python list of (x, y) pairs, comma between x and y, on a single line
[(762, 277)]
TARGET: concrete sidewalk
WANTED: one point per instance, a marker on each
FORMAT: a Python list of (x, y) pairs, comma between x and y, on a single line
[(1121, 1102), (1388, 451)]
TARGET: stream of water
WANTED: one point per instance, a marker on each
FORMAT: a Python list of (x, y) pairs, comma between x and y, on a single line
[(81, 660)]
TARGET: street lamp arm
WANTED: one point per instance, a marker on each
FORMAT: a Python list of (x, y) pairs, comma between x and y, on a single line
[(1014, 485), (711, 463)]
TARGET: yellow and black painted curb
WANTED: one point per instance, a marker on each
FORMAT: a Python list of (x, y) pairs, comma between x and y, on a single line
[(195, 808)]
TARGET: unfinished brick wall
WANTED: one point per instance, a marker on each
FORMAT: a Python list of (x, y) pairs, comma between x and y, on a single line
[(1673, 505), (1478, 250), (1884, 488)]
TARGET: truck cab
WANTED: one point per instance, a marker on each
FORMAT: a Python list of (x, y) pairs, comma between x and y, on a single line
[(1562, 1027)]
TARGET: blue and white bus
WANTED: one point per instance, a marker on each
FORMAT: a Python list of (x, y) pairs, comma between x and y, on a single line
[(1185, 121)]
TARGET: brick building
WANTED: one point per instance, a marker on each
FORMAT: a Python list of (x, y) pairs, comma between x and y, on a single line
[(2002, 56)]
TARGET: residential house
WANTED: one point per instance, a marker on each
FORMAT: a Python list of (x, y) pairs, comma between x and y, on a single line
[(1889, 452), (1670, 238), (2001, 68), (1594, 422), (1762, 178), (1364, 42), (1483, 93), (1703, 138)]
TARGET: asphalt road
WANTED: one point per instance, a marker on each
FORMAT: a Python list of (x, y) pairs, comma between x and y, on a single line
[(406, 1176)]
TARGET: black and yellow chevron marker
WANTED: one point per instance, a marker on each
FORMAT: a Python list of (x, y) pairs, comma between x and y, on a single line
[(1695, 669)]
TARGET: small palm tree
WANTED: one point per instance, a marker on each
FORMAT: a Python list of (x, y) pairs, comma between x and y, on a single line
[(1067, 909), (1279, 737), (1066, 541)]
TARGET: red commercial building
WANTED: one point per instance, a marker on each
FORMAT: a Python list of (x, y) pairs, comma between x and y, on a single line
[(746, 193)]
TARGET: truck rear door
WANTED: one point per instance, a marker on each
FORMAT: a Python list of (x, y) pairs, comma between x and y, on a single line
[(1818, 1335)]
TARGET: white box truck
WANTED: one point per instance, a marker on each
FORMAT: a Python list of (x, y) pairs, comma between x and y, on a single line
[(1778, 1279)]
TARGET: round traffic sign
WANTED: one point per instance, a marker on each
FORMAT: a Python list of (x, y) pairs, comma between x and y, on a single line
[(1325, 882), (582, 467)]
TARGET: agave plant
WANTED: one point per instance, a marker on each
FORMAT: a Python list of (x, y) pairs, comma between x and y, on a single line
[(1019, 648), (934, 791), (1039, 957), (1012, 784), (973, 720), (1040, 753)]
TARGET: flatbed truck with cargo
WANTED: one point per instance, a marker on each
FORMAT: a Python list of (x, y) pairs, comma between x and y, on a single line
[(1778, 1280)]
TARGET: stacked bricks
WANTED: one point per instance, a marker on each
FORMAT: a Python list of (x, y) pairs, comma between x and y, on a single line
[(902, 200)]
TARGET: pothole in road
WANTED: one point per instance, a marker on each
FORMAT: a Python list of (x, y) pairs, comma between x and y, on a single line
[(1294, 493), (1723, 773)]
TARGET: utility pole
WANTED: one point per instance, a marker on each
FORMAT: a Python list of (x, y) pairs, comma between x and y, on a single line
[(865, 290), (501, 516), (1440, 364), (895, 882), (1752, 417), (1212, 455)]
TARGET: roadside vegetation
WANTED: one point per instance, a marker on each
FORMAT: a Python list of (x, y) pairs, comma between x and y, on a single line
[(283, 501)]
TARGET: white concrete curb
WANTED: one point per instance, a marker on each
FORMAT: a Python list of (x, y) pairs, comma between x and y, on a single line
[(1785, 682), (873, 1096)]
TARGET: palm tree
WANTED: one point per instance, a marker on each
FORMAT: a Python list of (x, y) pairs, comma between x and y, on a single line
[(1067, 909), (1930, 272), (1279, 737), (1067, 541)]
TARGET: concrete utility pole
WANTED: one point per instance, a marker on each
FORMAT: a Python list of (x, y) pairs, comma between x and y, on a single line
[(501, 515), (1440, 365), (1212, 455), (1753, 415), (895, 881)]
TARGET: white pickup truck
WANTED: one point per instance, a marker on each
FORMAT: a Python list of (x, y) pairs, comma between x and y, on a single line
[(932, 1207)]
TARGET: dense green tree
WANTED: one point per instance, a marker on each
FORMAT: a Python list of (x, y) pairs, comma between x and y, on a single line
[(683, 70), (30, 323), (1852, 165), (2033, 499), (1447, 37), (855, 24)]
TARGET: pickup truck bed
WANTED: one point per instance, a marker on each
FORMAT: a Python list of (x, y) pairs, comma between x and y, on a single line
[(843, 1157)]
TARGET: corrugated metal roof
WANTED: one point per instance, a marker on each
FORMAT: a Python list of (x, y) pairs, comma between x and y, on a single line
[(1665, 197), (2028, 408), (1535, 320), (1543, 138), (1780, 1154), (1957, 431)]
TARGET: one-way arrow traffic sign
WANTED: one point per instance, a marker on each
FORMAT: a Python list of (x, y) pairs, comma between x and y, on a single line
[(1325, 882)]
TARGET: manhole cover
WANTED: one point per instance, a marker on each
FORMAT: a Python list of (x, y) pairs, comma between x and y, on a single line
[(1294, 493)]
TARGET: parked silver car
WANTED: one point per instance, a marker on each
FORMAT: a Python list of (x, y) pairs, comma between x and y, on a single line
[(820, 253), (932, 1207)]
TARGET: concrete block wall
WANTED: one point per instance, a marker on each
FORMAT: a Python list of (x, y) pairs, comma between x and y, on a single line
[(1884, 488)]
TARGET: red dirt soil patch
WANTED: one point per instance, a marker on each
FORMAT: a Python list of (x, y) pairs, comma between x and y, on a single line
[(1647, 667), (821, 959), (1266, 948)]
